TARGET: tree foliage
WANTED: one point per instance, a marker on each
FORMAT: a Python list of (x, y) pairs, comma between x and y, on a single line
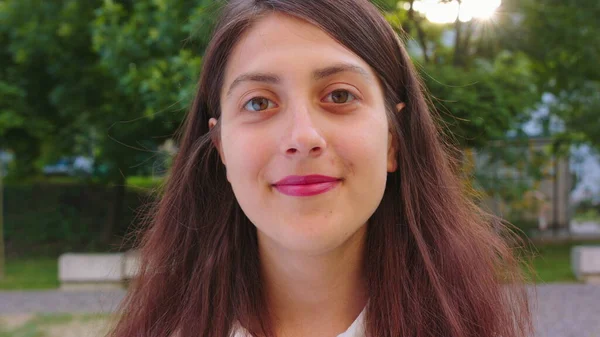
[(38, 63), (106, 78), (563, 41), (481, 90)]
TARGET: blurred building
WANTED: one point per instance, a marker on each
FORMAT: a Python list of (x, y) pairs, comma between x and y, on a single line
[(523, 180)]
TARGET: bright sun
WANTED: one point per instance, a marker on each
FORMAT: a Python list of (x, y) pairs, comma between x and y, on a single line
[(438, 12)]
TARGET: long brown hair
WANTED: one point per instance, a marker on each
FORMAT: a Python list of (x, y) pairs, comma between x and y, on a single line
[(436, 264)]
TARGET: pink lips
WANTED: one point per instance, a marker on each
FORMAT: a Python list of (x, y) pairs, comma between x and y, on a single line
[(303, 186)]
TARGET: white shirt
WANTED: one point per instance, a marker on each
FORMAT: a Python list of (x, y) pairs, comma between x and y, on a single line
[(356, 329)]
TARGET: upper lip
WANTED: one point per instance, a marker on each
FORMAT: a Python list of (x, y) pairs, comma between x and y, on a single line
[(306, 180)]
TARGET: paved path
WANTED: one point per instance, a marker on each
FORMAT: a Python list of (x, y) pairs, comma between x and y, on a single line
[(56, 301), (561, 310), (567, 310)]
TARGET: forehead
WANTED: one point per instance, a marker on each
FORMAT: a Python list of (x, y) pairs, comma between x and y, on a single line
[(283, 44)]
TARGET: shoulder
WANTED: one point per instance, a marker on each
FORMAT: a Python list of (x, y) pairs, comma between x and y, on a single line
[(238, 331)]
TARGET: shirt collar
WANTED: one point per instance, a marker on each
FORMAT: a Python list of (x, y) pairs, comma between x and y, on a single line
[(356, 329)]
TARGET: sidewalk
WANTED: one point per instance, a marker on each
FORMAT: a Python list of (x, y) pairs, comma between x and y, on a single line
[(561, 310), (56, 301)]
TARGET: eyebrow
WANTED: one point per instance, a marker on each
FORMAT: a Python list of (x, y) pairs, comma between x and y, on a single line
[(340, 68), (318, 74)]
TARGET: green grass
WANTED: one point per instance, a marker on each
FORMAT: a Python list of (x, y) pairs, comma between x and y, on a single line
[(552, 262), (591, 215), (30, 273), (38, 325), (144, 182), (57, 180), (26, 330)]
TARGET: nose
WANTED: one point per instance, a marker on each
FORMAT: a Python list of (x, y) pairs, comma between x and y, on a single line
[(303, 137)]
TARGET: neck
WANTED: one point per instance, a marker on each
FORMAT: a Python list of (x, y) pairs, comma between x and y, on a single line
[(319, 294)]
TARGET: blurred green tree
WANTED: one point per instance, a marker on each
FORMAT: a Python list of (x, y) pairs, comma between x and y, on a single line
[(151, 50), (481, 90), (33, 64), (563, 41), (110, 79)]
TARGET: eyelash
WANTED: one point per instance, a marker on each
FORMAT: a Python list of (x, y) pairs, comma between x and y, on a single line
[(249, 102)]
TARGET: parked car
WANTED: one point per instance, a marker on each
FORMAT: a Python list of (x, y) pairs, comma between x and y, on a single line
[(5, 159), (70, 166)]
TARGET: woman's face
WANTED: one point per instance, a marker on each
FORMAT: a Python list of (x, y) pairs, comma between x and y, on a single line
[(297, 103)]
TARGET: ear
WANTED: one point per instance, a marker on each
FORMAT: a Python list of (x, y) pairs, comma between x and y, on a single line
[(392, 159), (217, 139), (400, 106)]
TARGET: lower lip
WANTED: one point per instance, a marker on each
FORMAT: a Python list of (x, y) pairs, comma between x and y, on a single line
[(306, 190)]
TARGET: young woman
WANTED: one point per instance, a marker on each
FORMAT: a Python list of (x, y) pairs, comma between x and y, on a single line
[(313, 195)]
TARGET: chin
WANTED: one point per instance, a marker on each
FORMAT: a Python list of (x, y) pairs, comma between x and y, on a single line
[(316, 239)]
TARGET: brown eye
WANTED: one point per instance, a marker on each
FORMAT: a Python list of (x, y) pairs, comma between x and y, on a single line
[(341, 96), (259, 104)]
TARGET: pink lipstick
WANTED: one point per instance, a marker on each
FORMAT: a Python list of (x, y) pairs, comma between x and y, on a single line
[(304, 186)]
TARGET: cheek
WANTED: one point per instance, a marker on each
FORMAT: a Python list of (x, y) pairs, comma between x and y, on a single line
[(246, 155), (366, 154), (365, 148)]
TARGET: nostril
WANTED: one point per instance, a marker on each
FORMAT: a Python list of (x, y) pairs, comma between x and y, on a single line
[(314, 150)]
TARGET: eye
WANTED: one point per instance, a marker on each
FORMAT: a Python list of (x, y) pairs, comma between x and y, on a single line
[(340, 97), (259, 104)]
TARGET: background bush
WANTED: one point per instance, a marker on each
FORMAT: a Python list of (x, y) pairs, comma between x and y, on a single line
[(44, 218)]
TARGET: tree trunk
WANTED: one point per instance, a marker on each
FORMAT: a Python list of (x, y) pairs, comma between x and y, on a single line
[(458, 44), (115, 210), (2, 256), (420, 32)]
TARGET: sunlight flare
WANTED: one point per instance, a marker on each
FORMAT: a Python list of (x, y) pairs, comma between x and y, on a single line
[(439, 12)]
